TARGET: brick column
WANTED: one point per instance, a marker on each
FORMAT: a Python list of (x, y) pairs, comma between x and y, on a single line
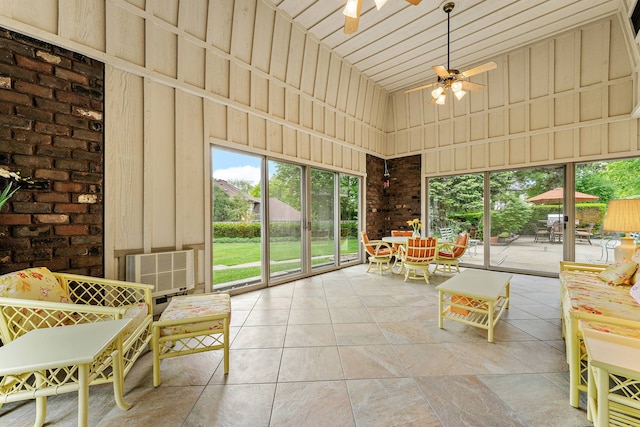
[(51, 129), (390, 208)]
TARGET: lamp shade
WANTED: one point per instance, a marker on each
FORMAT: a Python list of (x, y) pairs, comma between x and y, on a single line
[(623, 216)]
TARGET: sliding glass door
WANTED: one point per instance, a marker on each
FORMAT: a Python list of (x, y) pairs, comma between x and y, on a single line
[(273, 221), (323, 219), (286, 219)]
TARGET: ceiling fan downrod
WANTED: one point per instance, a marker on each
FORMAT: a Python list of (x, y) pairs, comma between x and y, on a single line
[(448, 7)]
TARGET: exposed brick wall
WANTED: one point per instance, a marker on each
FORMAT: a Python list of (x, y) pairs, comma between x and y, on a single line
[(390, 208), (51, 129)]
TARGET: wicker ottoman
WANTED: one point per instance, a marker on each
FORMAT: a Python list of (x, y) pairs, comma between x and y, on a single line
[(191, 324)]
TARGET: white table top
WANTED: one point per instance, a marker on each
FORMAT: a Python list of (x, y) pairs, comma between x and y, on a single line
[(396, 239), (477, 284), (48, 348), (611, 350)]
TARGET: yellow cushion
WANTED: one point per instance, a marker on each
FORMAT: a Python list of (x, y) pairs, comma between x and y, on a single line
[(618, 274), (194, 307), (37, 284)]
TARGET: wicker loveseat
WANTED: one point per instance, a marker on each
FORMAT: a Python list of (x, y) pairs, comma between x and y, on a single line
[(588, 301), (37, 298)]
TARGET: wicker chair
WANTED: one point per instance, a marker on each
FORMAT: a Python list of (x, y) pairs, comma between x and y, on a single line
[(450, 252), (379, 252), (416, 258)]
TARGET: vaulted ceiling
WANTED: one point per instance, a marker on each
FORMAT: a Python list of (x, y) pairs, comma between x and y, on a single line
[(397, 45)]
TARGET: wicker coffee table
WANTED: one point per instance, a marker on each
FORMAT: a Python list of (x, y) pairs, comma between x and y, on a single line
[(474, 297)]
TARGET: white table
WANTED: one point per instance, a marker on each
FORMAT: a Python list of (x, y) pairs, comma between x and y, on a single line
[(488, 292), (397, 240), (615, 355), (80, 352)]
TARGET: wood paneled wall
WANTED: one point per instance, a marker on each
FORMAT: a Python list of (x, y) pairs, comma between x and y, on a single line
[(569, 98), (182, 74)]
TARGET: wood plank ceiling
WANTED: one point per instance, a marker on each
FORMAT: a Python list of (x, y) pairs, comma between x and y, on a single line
[(397, 45)]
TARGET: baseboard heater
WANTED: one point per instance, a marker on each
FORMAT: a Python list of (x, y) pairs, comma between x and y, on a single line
[(169, 272)]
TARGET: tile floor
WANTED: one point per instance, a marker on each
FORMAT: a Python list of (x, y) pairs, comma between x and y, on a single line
[(350, 348)]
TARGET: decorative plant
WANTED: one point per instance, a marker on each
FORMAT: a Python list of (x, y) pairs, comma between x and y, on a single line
[(416, 224), (10, 189)]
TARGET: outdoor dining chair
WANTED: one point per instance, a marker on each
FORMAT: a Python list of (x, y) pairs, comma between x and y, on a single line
[(449, 253), (416, 258), (379, 252), (585, 233)]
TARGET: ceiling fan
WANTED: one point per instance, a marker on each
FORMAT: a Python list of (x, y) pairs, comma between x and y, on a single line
[(352, 13), (450, 77)]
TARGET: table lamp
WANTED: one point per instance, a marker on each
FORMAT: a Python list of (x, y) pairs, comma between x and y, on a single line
[(623, 215)]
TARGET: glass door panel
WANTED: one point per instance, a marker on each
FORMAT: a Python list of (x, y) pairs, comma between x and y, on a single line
[(607, 181), (237, 219), (323, 219), (527, 219), (285, 219), (456, 203), (349, 219)]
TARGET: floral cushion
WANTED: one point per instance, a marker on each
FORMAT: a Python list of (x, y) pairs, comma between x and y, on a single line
[(602, 300), (635, 291), (194, 307), (138, 313), (37, 284), (619, 274)]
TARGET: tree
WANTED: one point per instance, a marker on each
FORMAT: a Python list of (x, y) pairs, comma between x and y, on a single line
[(228, 209), (625, 177), (284, 184)]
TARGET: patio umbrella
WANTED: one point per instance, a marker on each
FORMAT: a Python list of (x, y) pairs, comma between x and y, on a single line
[(556, 196)]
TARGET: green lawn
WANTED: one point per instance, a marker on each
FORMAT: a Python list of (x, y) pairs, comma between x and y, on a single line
[(235, 254)]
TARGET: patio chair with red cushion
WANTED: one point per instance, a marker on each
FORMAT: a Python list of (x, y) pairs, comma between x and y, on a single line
[(450, 252), (379, 252), (417, 257)]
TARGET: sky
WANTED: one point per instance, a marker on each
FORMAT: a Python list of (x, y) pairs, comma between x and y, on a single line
[(228, 165)]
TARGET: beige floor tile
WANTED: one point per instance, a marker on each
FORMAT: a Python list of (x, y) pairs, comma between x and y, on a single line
[(260, 337), (318, 403), (266, 317), (430, 359), (309, 316), (371, 361), (250, 366), (310, 336), (310, 364), (349, 315), (390, 402), (233, 405), (466, 401), (518, 391), (358, 334)]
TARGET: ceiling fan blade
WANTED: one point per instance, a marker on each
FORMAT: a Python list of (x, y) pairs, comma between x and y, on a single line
[(350, 25), (441, 71), (472, 86), (351, 22), (414, 2), (479, 69), (420, 87)]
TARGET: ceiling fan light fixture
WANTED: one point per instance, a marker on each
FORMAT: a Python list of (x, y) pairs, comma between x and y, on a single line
[(440, 100), (351, 9), (437, 92), (380, 3), (460, 94), (456, 86)]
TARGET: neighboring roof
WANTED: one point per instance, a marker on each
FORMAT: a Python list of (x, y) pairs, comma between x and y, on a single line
[(278, 210)]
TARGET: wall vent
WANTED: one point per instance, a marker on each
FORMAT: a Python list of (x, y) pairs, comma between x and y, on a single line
[(169, 272)]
